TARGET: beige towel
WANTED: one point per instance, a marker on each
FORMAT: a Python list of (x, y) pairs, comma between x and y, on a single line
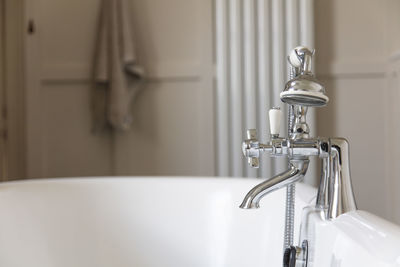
[(117, 76)]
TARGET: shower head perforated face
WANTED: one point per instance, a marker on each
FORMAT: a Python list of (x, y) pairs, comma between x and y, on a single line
[(304, 90)]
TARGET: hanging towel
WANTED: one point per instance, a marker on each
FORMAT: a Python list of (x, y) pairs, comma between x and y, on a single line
[(117, 75)]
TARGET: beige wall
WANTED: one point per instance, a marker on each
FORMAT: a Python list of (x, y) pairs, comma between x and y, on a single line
[(355, 41), (172, 133)]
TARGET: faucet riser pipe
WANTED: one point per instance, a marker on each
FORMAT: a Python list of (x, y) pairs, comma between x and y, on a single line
[(341, 191)]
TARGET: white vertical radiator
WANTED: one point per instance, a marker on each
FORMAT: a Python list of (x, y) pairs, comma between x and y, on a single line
[(252, 39)]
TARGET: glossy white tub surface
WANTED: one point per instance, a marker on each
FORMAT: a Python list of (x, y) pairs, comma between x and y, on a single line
[(356, 239), (173, 222)]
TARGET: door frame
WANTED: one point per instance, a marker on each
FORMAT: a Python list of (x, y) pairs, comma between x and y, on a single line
[(13, 90)]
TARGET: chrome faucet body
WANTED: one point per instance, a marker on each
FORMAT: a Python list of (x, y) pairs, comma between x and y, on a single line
[(335, 194)]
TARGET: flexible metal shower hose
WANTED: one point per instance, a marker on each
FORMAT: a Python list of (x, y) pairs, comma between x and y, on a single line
[(291, 189)]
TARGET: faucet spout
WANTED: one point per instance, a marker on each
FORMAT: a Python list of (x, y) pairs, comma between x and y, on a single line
[(297, 170)]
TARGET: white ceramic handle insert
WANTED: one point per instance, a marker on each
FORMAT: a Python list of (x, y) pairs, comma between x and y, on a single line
[(294, 57), (275, 115)]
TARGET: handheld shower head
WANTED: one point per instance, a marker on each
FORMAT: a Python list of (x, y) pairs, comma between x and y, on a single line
[(304, 89)]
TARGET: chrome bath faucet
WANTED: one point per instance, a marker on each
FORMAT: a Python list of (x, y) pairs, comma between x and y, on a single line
[(335, 194)]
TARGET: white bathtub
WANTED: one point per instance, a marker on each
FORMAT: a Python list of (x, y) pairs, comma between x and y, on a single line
[(173, 222)]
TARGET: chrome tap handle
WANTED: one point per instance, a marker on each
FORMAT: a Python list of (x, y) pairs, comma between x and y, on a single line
[(253, 162), (251, 134), (251, 148)]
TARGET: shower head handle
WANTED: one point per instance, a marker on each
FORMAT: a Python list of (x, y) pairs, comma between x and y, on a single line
[(301, 58)]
